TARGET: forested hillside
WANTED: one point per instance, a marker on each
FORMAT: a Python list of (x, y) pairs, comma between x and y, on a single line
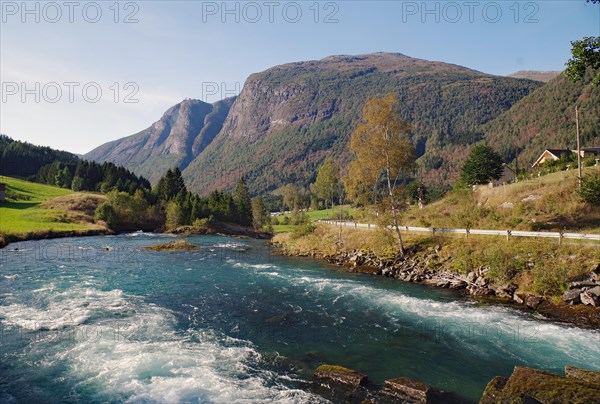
[(22, 159), (129, 202), (546, 119)]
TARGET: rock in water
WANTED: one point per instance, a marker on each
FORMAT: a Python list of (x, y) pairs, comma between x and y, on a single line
[(571, 296), (407, 390), (533, 385), (493, 390), (177, 245), (340, 384), (339, 374)]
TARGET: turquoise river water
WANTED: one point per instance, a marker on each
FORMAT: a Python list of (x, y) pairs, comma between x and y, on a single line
[(86, 320)]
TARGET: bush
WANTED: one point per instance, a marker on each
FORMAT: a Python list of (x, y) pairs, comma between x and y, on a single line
[(590, 189), (342, 215), (549, 279), (202, 224), (304, 229), (464, 260), (285, 220), (299, 217), (274, 220), (106, 213), (503, 265)]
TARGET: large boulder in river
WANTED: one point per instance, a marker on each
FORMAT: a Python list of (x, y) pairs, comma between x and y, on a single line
[(528, 385), (340, 384), (339, 374), (177, 245)]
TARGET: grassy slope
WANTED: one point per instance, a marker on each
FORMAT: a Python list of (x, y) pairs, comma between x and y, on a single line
[(313, 215), (37, 208), (548, 203)]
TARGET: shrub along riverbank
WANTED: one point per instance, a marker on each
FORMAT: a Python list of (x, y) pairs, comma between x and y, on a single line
[(536, 274)]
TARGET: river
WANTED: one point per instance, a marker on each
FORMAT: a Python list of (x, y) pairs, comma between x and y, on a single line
[(99, 319)]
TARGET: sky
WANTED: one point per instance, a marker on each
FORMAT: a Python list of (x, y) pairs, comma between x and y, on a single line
[(77, 74)]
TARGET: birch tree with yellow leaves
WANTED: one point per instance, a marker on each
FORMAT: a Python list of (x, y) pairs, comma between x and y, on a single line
[(383, 156)]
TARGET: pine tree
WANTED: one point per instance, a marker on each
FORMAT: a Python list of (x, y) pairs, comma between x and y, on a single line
[(170, 185), (260, 215), (243, 204), (482, 166)]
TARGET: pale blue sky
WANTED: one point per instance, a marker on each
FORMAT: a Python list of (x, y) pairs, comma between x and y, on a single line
[(178, 49)]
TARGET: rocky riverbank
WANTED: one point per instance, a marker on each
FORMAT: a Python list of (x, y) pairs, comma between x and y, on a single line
[(525, 385), (423, 266)]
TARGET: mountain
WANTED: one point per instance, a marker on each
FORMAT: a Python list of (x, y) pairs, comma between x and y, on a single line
[(288, 118), (537, 75), (546, 119), (182, 133)]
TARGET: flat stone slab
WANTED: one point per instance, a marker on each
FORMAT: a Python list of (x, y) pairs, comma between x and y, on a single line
[(407, 390), (342, 375)]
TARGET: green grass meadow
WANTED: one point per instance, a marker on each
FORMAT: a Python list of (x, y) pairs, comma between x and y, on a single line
[(313, 215), (22, 211)]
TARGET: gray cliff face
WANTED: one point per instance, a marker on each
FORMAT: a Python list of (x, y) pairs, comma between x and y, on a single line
[(261, 108), (182, 133)]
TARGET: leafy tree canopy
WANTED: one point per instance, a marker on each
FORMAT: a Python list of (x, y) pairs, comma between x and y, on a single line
[(383, 155), (483, 165), (326, 186), (586, 53)]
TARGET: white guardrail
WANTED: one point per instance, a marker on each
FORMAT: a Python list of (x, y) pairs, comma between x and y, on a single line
[(506, 233)]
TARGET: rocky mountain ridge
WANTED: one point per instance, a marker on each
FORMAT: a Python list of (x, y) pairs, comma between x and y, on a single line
[(289, 118), (182, 133)]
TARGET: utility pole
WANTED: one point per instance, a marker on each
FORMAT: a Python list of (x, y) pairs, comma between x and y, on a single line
[(578, 145)]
